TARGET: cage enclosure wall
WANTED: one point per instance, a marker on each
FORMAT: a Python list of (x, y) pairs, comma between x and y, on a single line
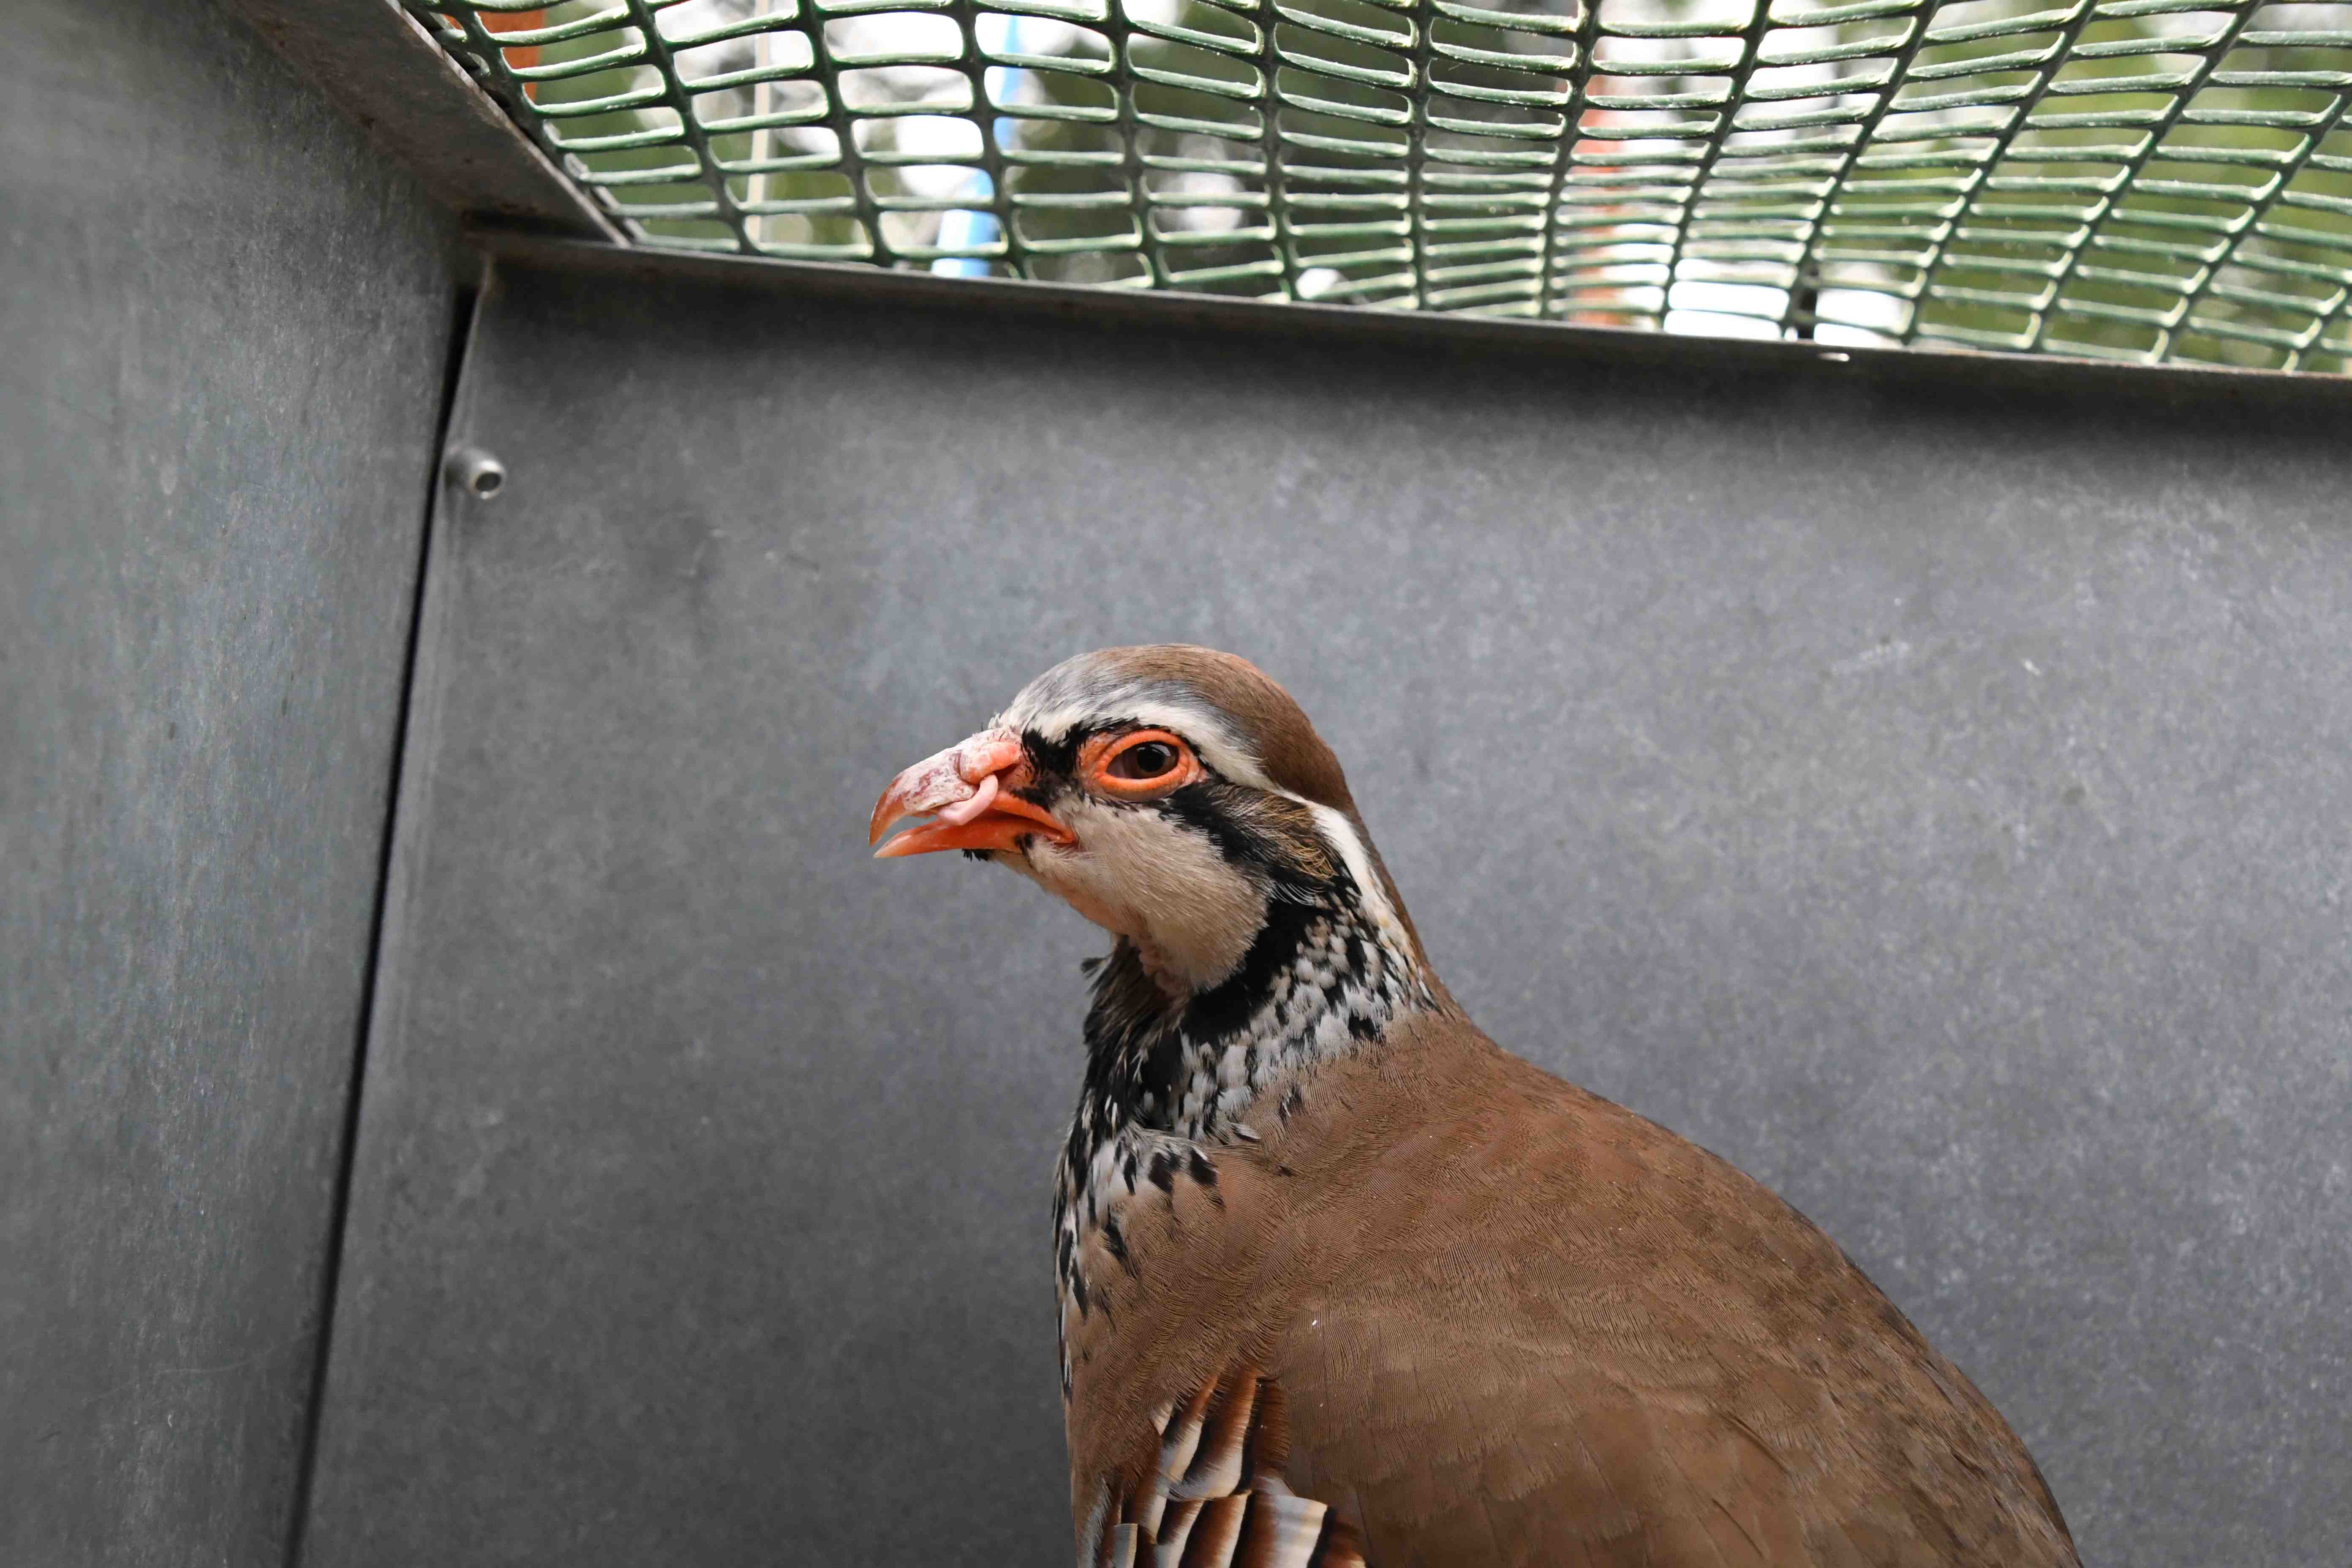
[(1923, 797), (1916, 776), (224, 318)]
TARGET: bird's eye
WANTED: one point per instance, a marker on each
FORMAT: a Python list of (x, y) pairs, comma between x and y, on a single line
[(1141, 764), (1147, 760)]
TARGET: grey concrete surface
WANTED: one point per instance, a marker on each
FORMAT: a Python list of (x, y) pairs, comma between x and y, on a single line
[(1936, 805), (223, 328)]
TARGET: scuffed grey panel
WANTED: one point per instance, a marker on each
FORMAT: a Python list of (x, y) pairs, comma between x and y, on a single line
[(224, 325), (1934, 805)]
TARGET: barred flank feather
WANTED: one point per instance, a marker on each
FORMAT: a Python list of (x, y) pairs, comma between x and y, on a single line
[(1217, 1499)]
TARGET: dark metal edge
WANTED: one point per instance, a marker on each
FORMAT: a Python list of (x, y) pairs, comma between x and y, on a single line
[(384, 70), (465, 324), (2045, 375)]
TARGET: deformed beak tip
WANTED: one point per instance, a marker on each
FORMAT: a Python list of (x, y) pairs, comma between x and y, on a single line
[(967, 806)]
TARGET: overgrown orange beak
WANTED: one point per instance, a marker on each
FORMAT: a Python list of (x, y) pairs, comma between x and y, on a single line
[(967, 791)]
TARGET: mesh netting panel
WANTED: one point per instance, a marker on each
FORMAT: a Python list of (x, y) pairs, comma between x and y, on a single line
[(2141, 179)]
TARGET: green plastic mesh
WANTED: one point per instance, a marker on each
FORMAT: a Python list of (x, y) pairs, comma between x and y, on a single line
[(2150, 180)]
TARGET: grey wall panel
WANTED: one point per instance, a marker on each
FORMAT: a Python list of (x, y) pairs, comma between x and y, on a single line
[(1933, 803), (224, 325)]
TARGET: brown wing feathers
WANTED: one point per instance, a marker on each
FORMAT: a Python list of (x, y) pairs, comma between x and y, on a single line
[(1217, 1496)]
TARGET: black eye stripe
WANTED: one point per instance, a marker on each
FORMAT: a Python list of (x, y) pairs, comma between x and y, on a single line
[(1052, 757)]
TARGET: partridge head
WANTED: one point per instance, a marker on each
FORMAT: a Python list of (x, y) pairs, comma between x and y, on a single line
[(1340, 1280)]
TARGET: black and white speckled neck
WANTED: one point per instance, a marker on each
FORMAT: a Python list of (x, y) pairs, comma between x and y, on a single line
[(1168, 1081)]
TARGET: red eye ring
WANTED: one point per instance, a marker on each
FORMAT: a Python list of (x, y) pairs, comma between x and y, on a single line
[(1140, 765)]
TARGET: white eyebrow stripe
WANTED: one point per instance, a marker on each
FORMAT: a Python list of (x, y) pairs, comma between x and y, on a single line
[(1342, 835), (1204, 727)]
